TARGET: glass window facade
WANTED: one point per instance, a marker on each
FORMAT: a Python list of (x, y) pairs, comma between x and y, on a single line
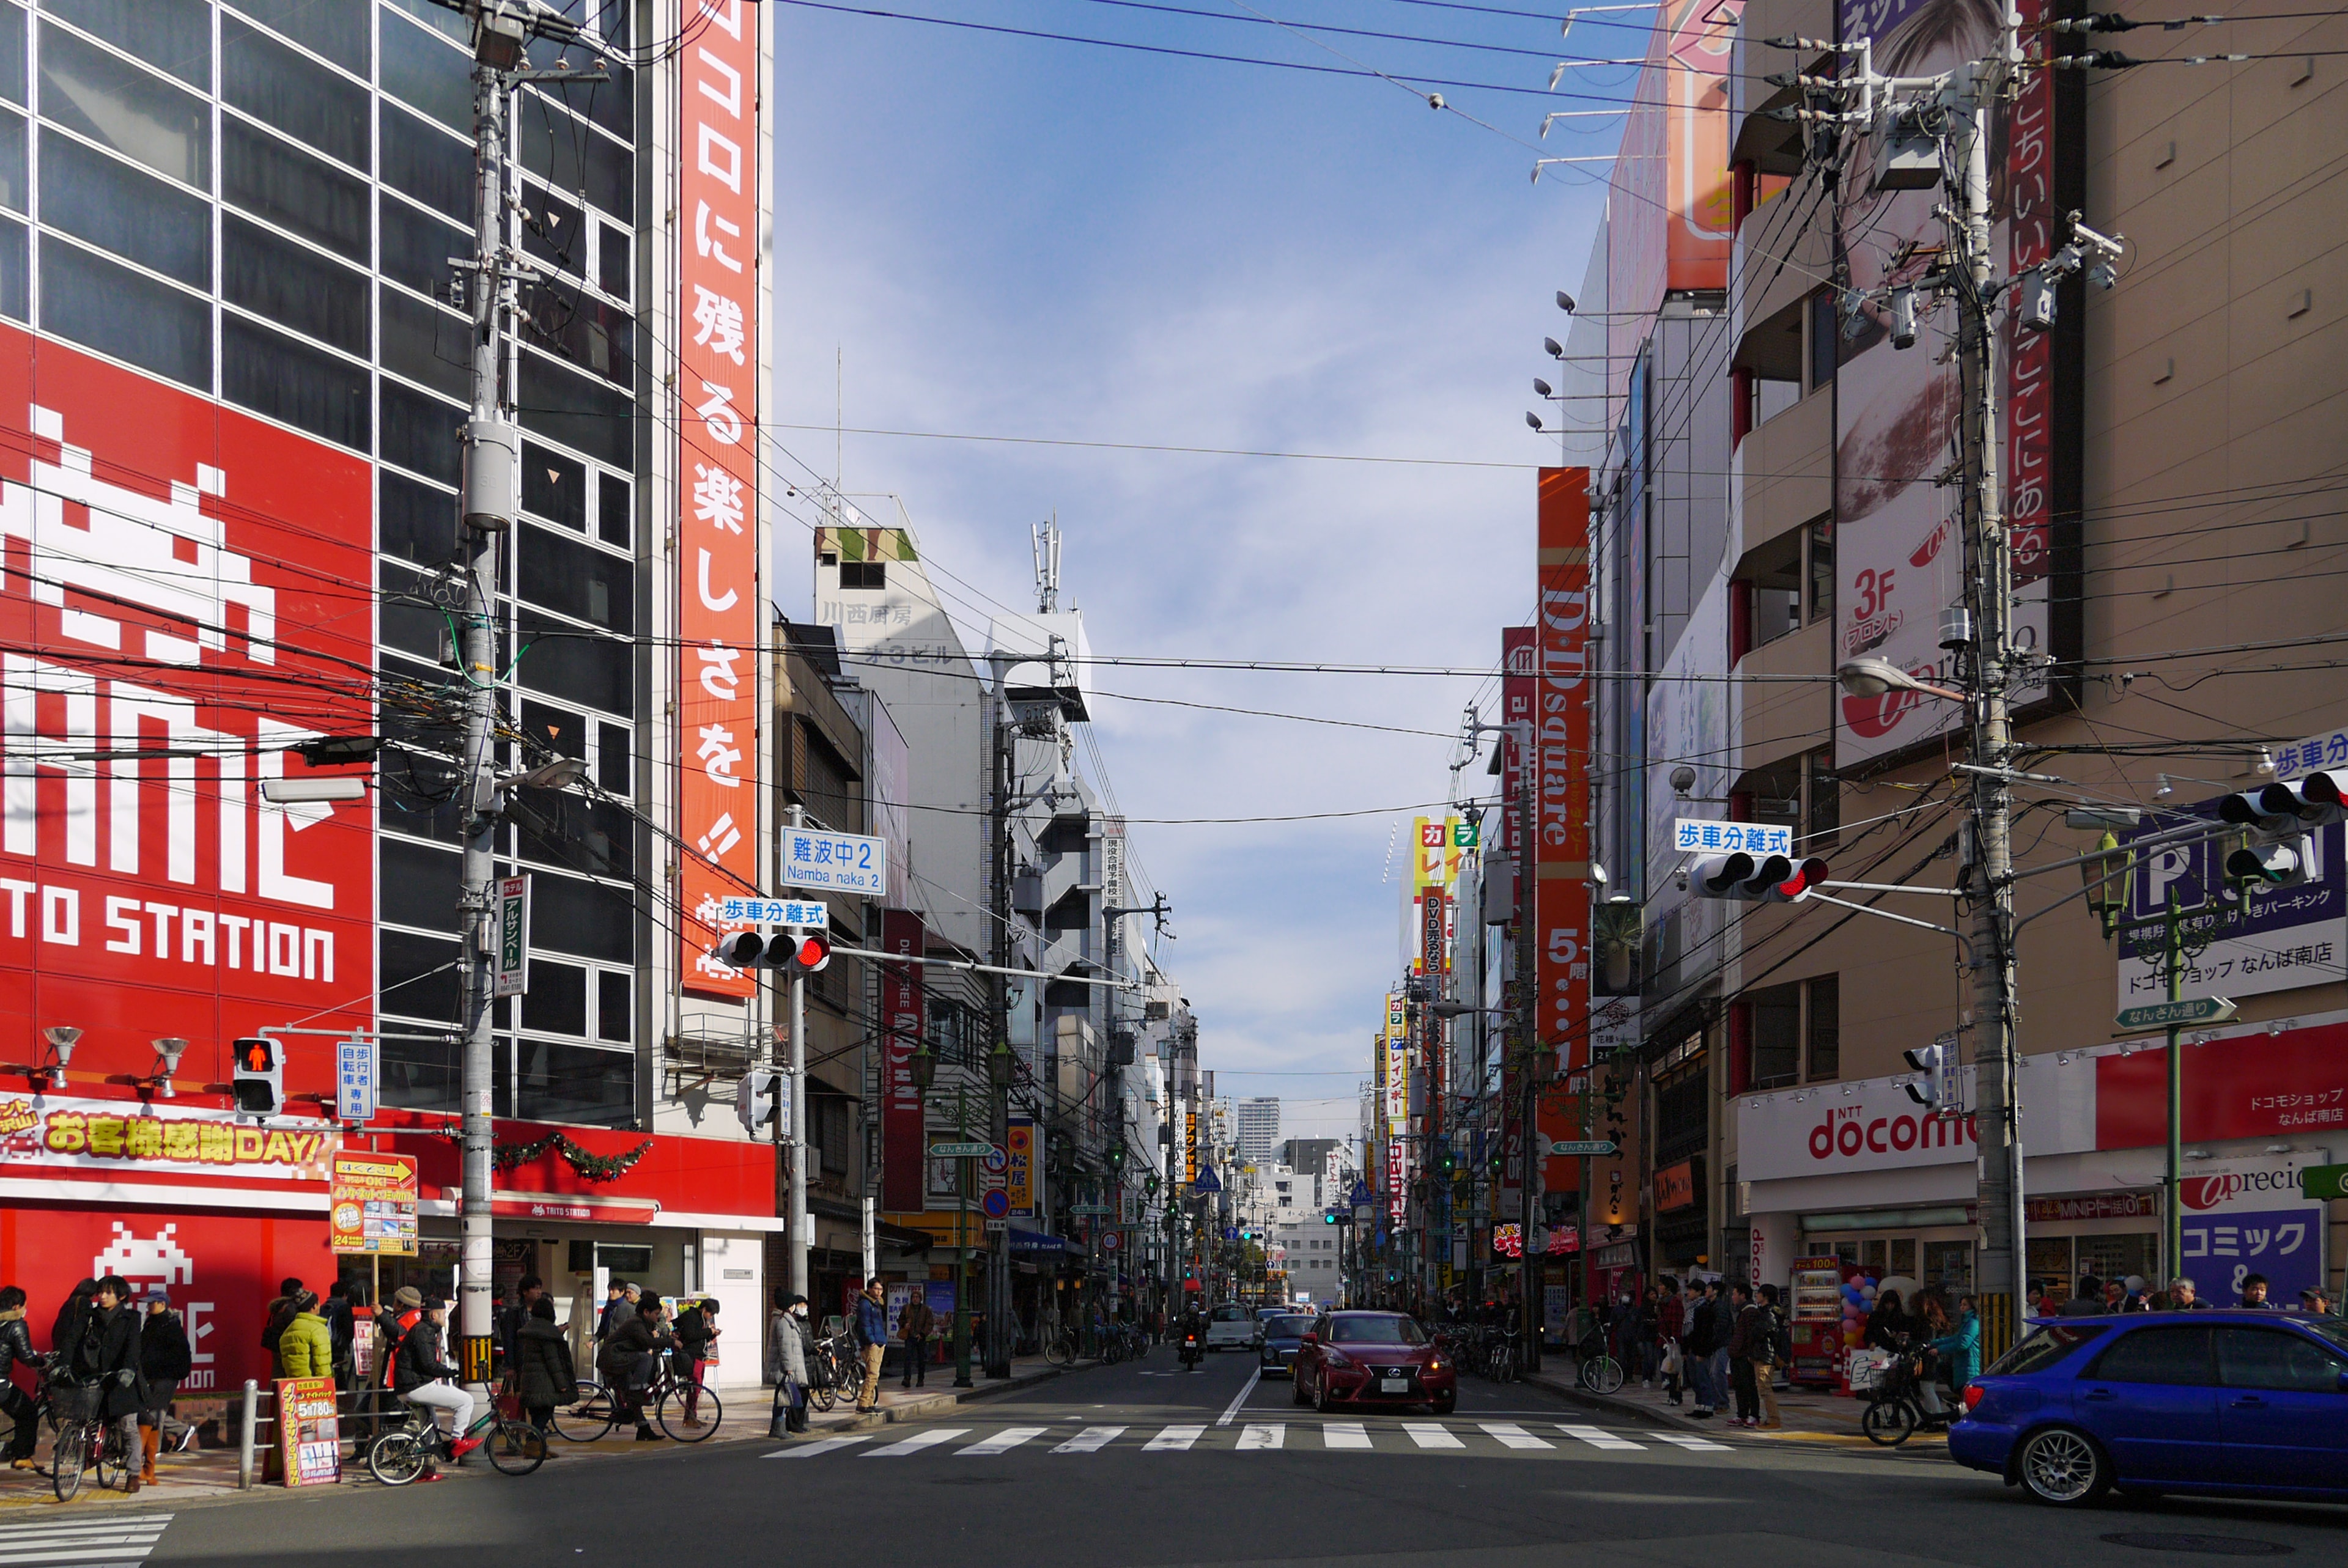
[(258, 200)]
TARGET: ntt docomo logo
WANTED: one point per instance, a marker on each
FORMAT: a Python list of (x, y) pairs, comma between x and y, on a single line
[(1848, 1132), (2205, 1193)]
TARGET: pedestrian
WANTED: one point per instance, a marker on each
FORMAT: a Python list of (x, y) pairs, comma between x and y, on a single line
[(510, 1319), (164, 1358), (1723, 1312), (1698, 1345), (2181, 1296), (16, 1346), (1933, 1324), (2314, 1300), (422, 1378), (2115, 1296), (275, 1316), (2034, 1297), (697, 1331), (917, 1325), (1959, 1349), (2254, 1294), (872, 1336), (618, 1301), (64, 1329), (543, 1375), (1744, 1345), (1774, 1345), (305, 1347), (1887, 1328), (342, 1325), (792, 1344), (106, 1362), (2088, 1302), (1673, 1370), (628, 1359)]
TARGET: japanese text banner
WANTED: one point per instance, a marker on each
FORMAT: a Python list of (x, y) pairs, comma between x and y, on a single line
[(1562, 756), (718, 597)]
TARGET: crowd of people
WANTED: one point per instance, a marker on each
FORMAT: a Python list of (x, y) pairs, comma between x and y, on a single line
[(2100, 1298)]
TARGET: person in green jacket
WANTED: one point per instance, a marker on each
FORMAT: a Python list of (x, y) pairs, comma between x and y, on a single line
[(306, 1348), (1959, 1349)]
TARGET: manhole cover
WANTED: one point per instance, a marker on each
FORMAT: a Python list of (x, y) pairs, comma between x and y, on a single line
[(2207, 1545)]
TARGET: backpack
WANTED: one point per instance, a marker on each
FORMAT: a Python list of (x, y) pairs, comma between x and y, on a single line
[(1781, 1340), (402, 1325)]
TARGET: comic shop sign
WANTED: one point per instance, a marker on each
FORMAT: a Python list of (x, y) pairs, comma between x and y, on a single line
[(116, 1135), (2243, 1217)]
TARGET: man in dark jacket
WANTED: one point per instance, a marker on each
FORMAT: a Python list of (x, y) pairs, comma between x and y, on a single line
[(421, 1378), (164, 1358), (17, 1345), (627, 1361), (65, 1331), (542, 1367), (916, 1324), (697, 1331), (872, 1335), (1743, 1333), (2088, 1303), (1695, 1345), (106, 1361)]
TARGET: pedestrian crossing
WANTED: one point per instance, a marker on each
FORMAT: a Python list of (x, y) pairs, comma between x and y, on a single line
[(112, 1542), (1482, 1438)]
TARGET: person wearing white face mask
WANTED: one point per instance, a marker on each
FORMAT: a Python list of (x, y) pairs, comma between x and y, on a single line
[(790, 1341)]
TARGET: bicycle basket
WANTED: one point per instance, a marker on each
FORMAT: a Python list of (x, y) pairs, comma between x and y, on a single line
[(75, 1401)]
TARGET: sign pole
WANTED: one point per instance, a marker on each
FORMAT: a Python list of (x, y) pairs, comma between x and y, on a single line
[(2173, 959), (799, 1206)]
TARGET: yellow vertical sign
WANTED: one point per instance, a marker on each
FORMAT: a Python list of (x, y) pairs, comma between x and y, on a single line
[(1190, 1147)]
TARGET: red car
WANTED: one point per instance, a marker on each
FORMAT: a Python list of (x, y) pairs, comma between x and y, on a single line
[(1352, 1359)]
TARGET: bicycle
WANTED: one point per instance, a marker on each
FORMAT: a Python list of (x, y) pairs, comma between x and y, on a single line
[(1600, 1372), (1895, 1405), (1502, 1364), (1059, 1346), (845, 1363), (84, 1442), (407, 1450), (596, 1410)]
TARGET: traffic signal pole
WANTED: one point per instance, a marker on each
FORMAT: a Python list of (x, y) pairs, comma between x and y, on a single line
[(797, 1212)]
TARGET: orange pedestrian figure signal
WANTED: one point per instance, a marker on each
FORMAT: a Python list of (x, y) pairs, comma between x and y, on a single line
[(259, 1079)]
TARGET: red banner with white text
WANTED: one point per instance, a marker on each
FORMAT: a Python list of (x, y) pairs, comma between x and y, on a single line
[(1561, 754), (903, 1150)]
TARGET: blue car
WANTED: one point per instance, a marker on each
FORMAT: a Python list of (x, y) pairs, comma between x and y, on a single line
[(2225, 1403), (1283, 1337)]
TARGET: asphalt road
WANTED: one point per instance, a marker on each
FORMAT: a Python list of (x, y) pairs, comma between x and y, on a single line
[(1206, 1467)]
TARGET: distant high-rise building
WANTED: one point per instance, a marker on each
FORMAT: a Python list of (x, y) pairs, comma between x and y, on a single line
[(1307, 1156), (1258, 1128)]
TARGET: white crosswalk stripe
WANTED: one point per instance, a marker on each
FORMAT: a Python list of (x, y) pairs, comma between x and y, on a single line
[(1004, 1441), (918, 1442), (1174, 1438), (1344, 1435), (1090, 1440), (1510, 1435), (115, 1543), (820, 1446), (1428, 1435), (1681, 1439), (1264, 1435), (1595, 1438)]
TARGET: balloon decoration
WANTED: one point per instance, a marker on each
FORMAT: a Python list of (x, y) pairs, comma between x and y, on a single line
[(1858, 1292)]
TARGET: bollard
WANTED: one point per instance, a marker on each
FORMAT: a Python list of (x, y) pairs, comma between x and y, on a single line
[(244, 1436)]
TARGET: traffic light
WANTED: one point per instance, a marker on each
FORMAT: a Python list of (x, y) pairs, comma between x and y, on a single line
[(757, 1099), (1936, 1062), (1766, 878), (259, 1080), (2278, 846), (1150, 1184), (793, 951), (1328, 1216), (1447, 1164)]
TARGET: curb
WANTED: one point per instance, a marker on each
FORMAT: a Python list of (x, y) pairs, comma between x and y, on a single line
[(931, 1404)]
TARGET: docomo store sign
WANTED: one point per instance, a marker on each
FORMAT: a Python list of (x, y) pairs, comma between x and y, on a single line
[(177, 608), (1876, 1127), (719, 602), (1561, 754)]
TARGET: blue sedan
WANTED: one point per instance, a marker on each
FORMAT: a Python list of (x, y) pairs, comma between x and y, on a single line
[(2226, 1403), (1283, 1337)]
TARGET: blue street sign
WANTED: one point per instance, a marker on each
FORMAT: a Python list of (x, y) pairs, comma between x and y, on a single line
[(1206, 1181), (355, 1079), (1230, 1233), (1359, 1198)]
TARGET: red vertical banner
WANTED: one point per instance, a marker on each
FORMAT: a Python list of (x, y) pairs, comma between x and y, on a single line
[(1517, 690), (1561, 754), (718, 599), (903, 1150)]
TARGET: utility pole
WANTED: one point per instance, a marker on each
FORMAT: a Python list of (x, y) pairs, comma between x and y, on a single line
[(999, 777), (798, 1219), (492, 494)]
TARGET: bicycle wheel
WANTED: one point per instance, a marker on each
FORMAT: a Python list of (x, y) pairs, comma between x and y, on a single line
[(707, 1411), (1889, 1421), (397, 1457), (66, 1463), (110, 1465), (1061, 1351), (589, 1418), (516, 1447), (1601, 1374)]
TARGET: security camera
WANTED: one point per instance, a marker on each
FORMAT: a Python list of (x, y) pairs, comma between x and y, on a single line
[(1682, 780)]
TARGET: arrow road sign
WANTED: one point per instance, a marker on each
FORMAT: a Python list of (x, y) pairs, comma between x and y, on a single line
[(960, 1150), (1584, 1146), (2176, 1015)]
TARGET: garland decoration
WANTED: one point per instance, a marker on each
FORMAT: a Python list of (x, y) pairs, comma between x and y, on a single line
[(591, 1165)]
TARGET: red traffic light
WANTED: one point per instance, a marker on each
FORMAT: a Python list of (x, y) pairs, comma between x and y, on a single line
[(805, 952), (1809, 875), (256, 1055)]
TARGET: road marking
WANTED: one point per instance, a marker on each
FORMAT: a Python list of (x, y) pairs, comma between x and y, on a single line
[(1429, 1435), (1090, 1439), (1263, 1435), (1595, 1438), (1004, 1441), (1681, 1439), (83, 1539), (1240, 1398), (1175, 1438), (820, 1446), (918, 1442), (1344, 1435), (1514, 1436)]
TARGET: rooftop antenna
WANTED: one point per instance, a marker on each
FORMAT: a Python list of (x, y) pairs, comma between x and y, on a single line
[(1045, 543)]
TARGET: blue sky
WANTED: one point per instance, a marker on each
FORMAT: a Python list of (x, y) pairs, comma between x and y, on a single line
[(1020, 237)]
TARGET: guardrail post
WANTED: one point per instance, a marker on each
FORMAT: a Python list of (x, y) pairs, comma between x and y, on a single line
[(244, 1434)]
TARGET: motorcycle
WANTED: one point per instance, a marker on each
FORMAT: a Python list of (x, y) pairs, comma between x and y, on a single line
[(1194, 1350)]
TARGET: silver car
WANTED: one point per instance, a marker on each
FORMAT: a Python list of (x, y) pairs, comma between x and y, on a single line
[(1231, 1326)]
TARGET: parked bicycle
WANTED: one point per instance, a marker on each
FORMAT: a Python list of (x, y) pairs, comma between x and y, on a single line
[(406, 1450), (687, 1411), (1600, 1372), (1059, 1344), (1503, 1360)]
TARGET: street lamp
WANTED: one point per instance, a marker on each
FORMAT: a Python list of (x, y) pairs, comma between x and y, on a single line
[(925, 1070), (1873, 677)]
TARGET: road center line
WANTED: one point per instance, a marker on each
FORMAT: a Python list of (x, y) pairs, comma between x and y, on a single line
[(1233, 1408)]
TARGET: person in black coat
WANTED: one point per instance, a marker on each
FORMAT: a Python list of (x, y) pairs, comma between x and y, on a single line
[(16, 1346), (164, 1358), (543, 1365), (105, 1359), (64, 1329)]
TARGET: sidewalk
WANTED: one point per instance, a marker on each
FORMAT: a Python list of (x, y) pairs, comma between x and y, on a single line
[(210, 1473), (1812, 1416)]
